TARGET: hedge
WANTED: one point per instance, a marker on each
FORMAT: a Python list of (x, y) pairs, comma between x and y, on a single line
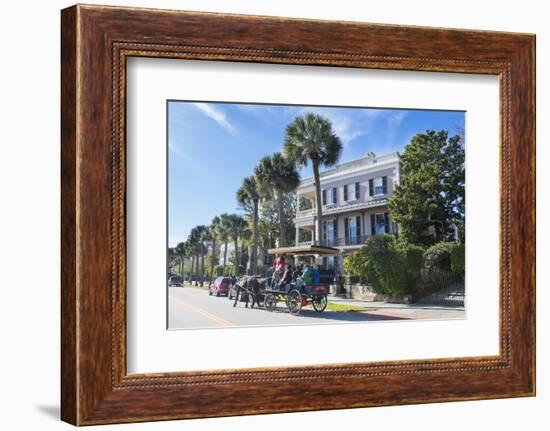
[(458, 259)]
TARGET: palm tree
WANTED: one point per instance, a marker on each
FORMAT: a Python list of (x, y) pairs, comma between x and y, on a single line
[(311, 138), (213, 229), (249, 193), (190, 247), (276, 176), (197, 246), (205, 239), (222, 232), (236, 226), (180, 252)]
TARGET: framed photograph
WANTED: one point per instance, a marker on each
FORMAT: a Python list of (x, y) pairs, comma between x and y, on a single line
[(266, 215)]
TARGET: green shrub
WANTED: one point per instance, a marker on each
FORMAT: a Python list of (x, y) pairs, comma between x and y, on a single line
[(386, 272), (414, 260), (413, 254), (355, 266), (438, 256), (390, 266), (458, 259), (385, 266)]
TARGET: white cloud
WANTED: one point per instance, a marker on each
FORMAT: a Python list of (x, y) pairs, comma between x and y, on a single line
[(342, 125), (215, 114), (395, 119)]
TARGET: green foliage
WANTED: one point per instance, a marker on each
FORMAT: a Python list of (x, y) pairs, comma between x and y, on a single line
[(413, 254), (388, 265), (218, 270), (458, 261), (312, 138), (438, 256), (385, 271), (276, 176), (230, 270), (429, 202), (356, 267)]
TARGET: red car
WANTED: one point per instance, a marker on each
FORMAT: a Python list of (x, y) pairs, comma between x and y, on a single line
[(220, 286)]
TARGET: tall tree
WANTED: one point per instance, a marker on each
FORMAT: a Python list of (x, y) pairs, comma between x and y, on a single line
[(191, 246), (428, 204), (222, 232), (277, 176), (196, 236), (236, 226), (249, 193), (205, 240), (180, 251), (213, 229), (311, 138)]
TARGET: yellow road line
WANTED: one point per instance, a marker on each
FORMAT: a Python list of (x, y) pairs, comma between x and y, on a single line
[(205, 313)]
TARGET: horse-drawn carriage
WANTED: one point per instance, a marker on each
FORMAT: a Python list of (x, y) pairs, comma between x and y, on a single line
[(298, 294)]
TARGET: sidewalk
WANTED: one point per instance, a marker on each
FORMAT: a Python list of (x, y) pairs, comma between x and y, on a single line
[(404, 311), (385, 309)]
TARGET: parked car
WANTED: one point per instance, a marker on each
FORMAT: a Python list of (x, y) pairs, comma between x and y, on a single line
[(220, 286), (175, 280)]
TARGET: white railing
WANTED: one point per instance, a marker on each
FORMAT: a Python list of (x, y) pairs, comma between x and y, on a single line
[(349, 205), (306, 213)]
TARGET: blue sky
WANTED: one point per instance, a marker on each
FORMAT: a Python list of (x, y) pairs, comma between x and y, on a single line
[(213, 146)]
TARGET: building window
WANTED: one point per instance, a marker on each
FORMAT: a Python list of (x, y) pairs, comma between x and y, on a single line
[(380, 223), (378, 186), (331, 262), (353, 230), (329, 233), (329, 196), (351, 192)]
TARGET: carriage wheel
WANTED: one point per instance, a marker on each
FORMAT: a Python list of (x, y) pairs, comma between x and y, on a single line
[(294, 302), (270, 302), (319, 303)]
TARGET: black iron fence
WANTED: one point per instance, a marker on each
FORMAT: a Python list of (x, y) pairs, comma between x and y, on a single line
[(440, 287)]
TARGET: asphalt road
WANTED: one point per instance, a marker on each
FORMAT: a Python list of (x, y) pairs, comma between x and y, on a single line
[(191, 307)]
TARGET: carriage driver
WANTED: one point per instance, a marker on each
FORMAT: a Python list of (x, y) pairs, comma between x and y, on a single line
[(279, 266)]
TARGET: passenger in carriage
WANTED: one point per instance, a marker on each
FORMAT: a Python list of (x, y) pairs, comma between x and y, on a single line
[(307, 276), (286, 279), (317, 274)]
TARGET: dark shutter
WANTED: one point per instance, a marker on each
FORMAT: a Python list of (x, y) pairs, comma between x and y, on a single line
[(386, 223), (324, 197), (334, 195), (371, 188), (346, 229), (358, 225), (345, 192), (356, 190), (324, 237), (325, 259), (372, 224), (385, 185)]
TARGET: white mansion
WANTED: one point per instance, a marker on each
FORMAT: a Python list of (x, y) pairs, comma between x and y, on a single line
[(355, 197)]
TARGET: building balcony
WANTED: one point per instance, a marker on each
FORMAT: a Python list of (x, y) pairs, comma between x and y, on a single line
[(354, 241), (341, 208)]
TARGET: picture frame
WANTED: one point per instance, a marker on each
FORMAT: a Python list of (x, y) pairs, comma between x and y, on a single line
[(96, 41)]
